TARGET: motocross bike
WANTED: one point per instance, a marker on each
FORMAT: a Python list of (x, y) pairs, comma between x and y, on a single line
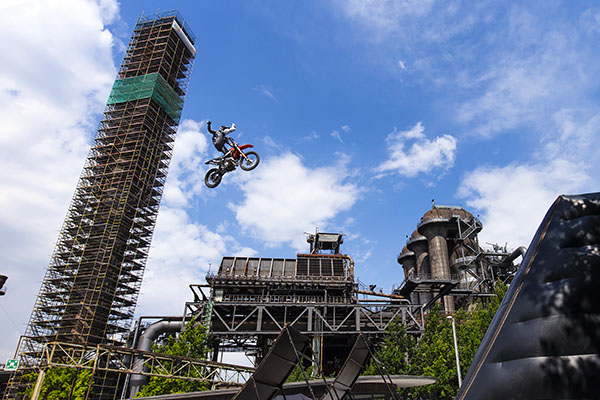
[(228, 162)]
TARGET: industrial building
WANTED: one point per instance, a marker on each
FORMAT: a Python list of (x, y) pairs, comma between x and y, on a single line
[(90, 289), (251, 299), (552, 296), (443, 260)]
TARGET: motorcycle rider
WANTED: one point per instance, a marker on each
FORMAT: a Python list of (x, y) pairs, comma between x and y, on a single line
[(219, 138)]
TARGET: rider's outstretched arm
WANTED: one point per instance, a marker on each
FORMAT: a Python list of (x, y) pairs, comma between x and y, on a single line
[(209, 128)]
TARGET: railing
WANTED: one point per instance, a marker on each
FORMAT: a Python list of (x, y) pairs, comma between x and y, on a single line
[(472, 226), (294, 278), (295, 299), (429, 277)]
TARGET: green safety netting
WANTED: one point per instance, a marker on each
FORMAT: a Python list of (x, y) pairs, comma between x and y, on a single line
[(142, 87)]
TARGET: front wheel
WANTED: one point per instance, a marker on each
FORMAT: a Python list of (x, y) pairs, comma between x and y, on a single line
[(250, 162), (212, 178)]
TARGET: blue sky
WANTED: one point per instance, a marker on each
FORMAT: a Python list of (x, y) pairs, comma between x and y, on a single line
[(362, 112)]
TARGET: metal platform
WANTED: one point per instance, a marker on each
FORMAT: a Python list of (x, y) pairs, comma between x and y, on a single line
[(363, 385)]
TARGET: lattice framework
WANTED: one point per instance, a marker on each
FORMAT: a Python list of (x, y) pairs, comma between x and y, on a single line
[(91, 286)]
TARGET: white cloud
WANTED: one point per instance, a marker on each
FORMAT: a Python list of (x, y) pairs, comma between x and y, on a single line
[(423, 155), (336, 135), (577, 136), (532, 69), (181, 253), (514, 199), (182, 249), (284, 198), (187, 166), (53, 85), (590, 20), (311, 136), (535, 62), (522, 88), (272, 145), (383, 17), (262, 89)]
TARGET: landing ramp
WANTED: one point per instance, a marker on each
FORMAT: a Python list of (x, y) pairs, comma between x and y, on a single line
[(355, 363), (544, 342), (277, 365)]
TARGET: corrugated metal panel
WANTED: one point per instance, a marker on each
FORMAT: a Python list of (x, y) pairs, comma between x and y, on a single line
[(283, 267)]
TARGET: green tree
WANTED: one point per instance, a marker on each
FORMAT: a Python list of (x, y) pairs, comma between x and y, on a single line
[(193, 342), (433, 355), (471, 331), (297, 376), (395, 352), (60, 384)]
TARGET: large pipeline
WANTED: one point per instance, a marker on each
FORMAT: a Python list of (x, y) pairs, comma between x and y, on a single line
[(520, 251), (145, 344), (390, 296)]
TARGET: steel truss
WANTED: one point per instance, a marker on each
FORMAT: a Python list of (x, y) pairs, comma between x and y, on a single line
[(244, 326), (270, 318), (119, 360)]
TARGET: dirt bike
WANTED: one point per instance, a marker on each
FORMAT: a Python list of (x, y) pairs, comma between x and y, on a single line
[(235, 156)]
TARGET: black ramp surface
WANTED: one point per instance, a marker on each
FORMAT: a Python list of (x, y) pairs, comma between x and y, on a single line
[(275, 367), (355, 363), (544, 341)]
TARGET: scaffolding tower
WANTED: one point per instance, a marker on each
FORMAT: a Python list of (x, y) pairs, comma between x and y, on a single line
[(90, 290)]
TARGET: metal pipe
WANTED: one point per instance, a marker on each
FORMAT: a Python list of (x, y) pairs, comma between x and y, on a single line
[(456, 350), (372, 293), (134, 343), (519, 251), (37, 389), (145, 344)]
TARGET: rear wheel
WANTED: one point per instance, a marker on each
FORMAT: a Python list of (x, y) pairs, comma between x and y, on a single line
[(249, 163), (212, 178)]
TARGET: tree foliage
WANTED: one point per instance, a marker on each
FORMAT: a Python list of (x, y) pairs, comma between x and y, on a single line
[(60, 384), (298, 376), (72, 384), (433, 355), (193, 342), (396, 351)]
